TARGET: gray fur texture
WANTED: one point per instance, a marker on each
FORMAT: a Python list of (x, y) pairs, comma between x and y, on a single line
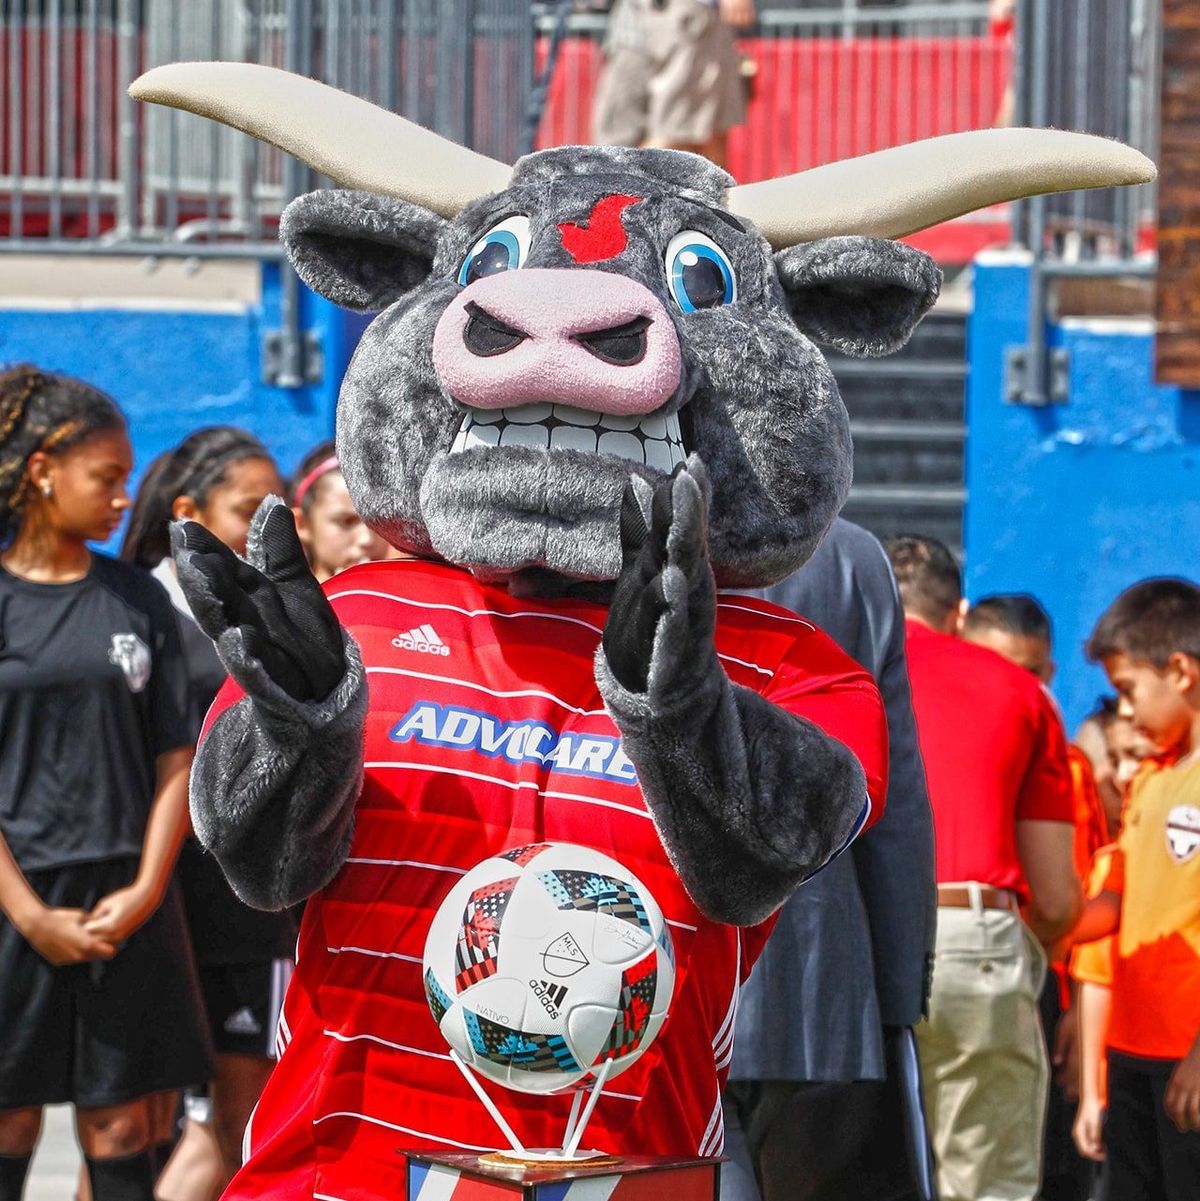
[(830, 300), (756, 400), (749, 799), (275, 782), (383, 247)]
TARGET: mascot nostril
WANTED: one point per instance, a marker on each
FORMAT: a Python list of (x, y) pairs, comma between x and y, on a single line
[(555, 662), (486, 335), (621, 345)]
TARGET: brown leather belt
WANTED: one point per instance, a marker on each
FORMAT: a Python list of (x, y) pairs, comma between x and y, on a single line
[(958, 896)]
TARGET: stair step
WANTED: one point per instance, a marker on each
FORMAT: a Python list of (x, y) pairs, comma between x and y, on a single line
[(886, 522), (897, 368), (907, 420), (922, 401), (908, 464), (932, 496), (908, 431)]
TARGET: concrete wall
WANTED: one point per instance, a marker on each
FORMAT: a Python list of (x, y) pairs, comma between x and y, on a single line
[(177, 362), (1073, 502)]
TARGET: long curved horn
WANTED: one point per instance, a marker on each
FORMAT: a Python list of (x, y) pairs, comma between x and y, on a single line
[(354, 142), (899, 191)]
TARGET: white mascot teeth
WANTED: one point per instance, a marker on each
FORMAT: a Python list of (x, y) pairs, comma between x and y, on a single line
[(653, 441)]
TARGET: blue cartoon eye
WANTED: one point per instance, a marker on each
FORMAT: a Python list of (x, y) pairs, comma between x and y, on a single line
[(504, 247), (699, 272)]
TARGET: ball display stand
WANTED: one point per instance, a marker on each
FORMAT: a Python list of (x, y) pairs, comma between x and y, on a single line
[(564, 1156)]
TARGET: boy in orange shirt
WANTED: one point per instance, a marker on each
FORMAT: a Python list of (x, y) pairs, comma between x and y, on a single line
[(1149, 643)]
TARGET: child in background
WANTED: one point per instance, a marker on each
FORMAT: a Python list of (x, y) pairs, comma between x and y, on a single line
[(332, 533), (1127, 747), (1091, 963), (218, 477), (1090, 740), (99, 1001), (1149, 644)]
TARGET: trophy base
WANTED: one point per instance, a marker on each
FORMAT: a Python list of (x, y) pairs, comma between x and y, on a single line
[(547, 1157), (503, 1177)]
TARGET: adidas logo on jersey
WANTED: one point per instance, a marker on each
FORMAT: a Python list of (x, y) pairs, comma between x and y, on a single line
[(550, 995), (424, 639), (243, 1022)]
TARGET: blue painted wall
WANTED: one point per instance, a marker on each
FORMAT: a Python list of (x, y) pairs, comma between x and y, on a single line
[(1074, 502), (172, 371), (1071, 502)]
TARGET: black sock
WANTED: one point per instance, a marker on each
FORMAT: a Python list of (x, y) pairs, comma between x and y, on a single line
[(13, 1170), (126, 1178)]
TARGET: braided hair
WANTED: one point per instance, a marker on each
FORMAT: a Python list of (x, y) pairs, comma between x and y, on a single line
[(194, 468), (47, 412)]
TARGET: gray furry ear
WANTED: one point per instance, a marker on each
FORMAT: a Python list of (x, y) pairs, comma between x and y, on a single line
[(863, 296), (359, 249)]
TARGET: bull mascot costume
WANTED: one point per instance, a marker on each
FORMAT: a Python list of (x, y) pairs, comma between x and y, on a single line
[(591, 401)]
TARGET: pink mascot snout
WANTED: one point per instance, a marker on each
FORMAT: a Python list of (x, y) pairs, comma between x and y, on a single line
[(592, 339)]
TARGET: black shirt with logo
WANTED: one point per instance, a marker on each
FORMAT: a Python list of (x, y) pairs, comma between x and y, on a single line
[(224, 930), (93, 688)]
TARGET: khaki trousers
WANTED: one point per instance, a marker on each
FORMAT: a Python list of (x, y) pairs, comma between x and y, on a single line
[(983, 1057), (671, 75)]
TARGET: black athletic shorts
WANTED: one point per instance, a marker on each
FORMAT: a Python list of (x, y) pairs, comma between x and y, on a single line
[(243, 1001), (104, 1032)]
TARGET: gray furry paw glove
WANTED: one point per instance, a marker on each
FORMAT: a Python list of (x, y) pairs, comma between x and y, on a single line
[(266, 613), (658, 638)]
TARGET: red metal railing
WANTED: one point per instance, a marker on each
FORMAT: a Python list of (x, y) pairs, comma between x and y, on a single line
[(818, 99)]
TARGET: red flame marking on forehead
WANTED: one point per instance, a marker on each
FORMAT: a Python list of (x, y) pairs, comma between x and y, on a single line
[(603, 236)]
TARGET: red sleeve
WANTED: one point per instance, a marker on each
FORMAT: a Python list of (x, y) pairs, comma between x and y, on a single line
[(818, 681), (1046, 793), (231, 692)]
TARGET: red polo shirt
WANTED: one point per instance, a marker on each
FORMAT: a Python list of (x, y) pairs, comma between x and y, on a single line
[(995, 754)]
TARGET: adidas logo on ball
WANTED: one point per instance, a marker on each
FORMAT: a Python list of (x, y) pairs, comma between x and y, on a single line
[(550, 995), (422, 638)]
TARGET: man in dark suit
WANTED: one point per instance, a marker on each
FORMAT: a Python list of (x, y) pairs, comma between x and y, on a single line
[(823, 1053)]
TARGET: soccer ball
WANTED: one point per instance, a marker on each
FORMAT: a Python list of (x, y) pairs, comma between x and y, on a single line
[(545, 961)]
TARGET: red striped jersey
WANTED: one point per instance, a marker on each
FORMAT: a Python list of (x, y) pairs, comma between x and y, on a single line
[(486, 731)]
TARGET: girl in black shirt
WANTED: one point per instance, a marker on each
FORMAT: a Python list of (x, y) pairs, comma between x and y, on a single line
[(217, 477), (98, 991)]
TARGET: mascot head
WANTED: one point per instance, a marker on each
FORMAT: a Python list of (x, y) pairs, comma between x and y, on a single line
[(549, 330)]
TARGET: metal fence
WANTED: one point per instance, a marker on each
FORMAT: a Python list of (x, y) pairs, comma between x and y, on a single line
[(828, 81), (85, 169), (1091, 65)]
